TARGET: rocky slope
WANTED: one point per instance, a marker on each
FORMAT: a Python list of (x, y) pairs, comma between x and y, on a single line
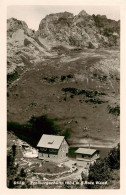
[(79, 90), (23, 48), (26, 47), (82, 30), (53, 71)]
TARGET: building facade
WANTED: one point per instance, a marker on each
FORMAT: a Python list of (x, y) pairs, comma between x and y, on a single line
[(87, 155), (52, 148)]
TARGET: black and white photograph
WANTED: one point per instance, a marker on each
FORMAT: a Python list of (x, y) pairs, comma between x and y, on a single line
[(63, 96)]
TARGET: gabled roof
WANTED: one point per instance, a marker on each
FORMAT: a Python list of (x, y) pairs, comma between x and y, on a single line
[(50, 141), (85, 151)]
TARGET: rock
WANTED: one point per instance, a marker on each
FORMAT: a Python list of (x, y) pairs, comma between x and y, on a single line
[(57, 35), (13, 25), (82, 30), (23, 47)]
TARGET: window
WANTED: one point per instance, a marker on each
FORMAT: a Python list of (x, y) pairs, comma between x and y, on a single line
[(43, 149), (48, 156), (82, 155), (52, 150)]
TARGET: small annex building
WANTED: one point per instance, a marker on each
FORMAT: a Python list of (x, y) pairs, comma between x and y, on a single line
[(87, 155), (52, 148)]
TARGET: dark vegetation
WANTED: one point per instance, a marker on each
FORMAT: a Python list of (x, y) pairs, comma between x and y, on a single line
[(114, 110), (14, 173), (12, 77), (35, 128), (66, 133), (67, 77), (117, 79), (53, 79), (101, 78), (71, 153), (102, 170), (11, 168), (95, 101), (113, 159), (87, 93)]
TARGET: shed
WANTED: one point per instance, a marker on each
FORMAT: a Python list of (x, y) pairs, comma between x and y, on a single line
[(88, 155)]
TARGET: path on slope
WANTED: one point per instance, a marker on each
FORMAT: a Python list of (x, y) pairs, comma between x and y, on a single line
[(74, 176)]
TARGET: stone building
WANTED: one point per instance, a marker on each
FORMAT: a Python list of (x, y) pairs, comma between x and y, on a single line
[(52, 148)]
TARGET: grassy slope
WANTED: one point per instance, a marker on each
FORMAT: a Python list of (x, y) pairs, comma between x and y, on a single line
[(33, 95)]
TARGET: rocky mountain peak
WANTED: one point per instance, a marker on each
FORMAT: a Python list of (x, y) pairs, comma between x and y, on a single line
[(81, 30), (13, 25), (83, 13), (61, 14)]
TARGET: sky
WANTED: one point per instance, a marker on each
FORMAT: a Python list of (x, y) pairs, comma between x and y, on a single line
[(33, 14)]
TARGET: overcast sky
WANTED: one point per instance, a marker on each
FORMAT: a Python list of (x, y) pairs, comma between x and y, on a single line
[(33, 14)]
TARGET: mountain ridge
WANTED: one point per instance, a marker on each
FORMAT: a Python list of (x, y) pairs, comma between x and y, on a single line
[(63, 29), (81, 30)]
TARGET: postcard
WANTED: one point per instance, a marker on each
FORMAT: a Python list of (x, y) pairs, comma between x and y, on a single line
[(63, 81)]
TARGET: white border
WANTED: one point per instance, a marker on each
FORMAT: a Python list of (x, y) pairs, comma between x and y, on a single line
[(3, 14)]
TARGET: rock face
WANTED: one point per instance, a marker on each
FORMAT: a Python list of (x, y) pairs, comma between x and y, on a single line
[(14, 25), (82, 30), (27, 47), (22, 46)]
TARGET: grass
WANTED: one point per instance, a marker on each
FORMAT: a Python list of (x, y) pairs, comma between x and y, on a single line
[(47, 167), (42, 93)]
